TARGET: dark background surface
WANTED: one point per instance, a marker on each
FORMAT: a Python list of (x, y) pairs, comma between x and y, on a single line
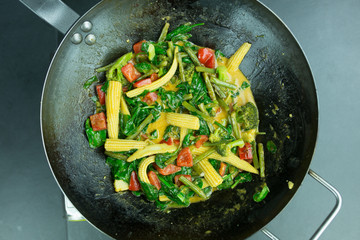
[(31, 203)]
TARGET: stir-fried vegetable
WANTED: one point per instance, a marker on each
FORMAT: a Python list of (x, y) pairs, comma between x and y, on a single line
[(185, 124)]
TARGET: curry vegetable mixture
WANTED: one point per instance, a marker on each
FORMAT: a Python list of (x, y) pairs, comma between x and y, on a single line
[(178, 121)]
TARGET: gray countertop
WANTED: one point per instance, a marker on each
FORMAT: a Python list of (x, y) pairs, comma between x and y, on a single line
[(32, 205)]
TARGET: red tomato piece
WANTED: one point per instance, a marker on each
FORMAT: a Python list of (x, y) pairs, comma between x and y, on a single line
[(150, 98), (134, 182), (168, 142), (222, 169), (176, 141), (101, 94), (125, 88), (154, 180), (98, 121), (143, 82), (130, 72), (137, 46), (245, 152), (207, 57), (200, 142), (185, 158), (154, 77), (169, 169), (179, 183)]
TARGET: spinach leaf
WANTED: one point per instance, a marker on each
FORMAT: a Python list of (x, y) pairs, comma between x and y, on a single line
[(170, 98), (160, 159), (120, 169), (143, 67), (204, 129), (150, 191), (173, 192), (242, 178), (154, 134), (90, 81), (96, 138), (227, 182), (270, 145), (259, 196), (171, 131), (218, 54), (244, 85)]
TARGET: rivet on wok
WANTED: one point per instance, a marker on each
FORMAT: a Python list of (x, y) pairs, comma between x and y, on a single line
[(86, 26), (76, 38), (90, 39)]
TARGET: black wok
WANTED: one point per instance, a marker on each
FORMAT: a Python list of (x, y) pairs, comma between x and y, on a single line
[(282, 84)]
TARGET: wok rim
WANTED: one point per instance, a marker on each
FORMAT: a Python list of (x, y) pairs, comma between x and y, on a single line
[(274, 214)]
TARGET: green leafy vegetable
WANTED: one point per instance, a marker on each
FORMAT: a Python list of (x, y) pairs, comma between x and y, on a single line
[(222, 73), (143, 67), (121, 169), (242, 178), (96, 138), (150, 191), (259, 196), (114, 73), (224, 148), (270, 145), (154, 134), (218, 54), (244, 85), (248, 116), (173, 192), (90, 81), (227, 182), (181, 30)]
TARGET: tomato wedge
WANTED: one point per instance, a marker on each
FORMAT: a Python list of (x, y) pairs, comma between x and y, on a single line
[(185, 158), (98, 121), (143, 82), (222, 169), (168, 142), (154, 77), (200, 142), (154, 180), (137, 46), (134, 182), (207, 57), (130, 72), (150, 98), (101, 94), (179, 183), (245, 152), (169, 169)]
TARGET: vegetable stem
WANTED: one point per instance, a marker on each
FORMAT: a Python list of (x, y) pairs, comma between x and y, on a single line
[(219, 92), (223, 84), (203, 155), (193, 187), (235, 126), (191, 108), (223, 104), (193, 56), (209, 86), (104, 68), (261, 160), (164, 32), (142, 125), (181, 67), (255, 156), (205, 69)]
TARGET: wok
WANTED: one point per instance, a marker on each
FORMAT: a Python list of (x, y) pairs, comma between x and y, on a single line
[(283, 88)]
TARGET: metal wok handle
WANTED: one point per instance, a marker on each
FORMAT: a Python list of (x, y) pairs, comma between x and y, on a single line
[(55, 12), (328, 219)]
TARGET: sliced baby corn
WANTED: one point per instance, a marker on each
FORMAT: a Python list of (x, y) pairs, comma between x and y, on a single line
[(151, 150), (143, 168), (183, 120), (120, 145), (120, 185), (123, 106), (112, 101), (236, 59), (231, 159), (158, 83), (210, 174)]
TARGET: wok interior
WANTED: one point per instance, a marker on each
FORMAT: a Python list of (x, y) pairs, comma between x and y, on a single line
[(280, 80)]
